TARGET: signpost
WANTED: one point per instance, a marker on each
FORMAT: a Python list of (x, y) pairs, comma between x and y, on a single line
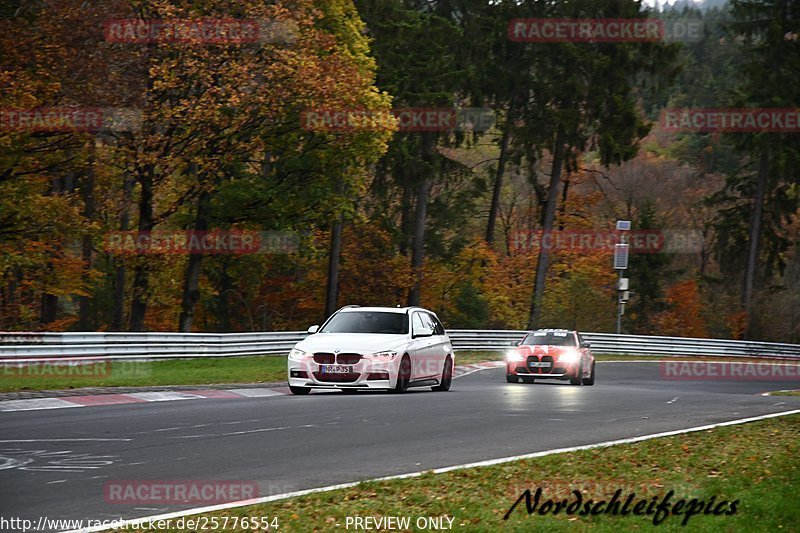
[(621, 256)]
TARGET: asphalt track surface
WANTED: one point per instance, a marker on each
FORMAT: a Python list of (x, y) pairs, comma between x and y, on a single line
[(55, 463)]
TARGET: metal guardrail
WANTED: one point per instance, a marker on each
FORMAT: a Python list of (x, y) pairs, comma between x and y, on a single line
[(613, 344), (25, 347)]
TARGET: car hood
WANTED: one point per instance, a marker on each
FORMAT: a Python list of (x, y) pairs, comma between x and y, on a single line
[(543, 349), (351, 342)]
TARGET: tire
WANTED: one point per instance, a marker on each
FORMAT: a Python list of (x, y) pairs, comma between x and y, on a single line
[(447, 376), (576, 380), (300, 391), (590, 380), (511, 378), (403, 375)]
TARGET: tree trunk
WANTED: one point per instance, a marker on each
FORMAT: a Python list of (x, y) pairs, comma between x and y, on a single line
[(498, 178), (418, 250), (87, 194), (332, 289), (48, 309), (118, 317), (564, 196), (223, 302), (140, 272), (549, 216), (421, 216), (755, 235), (191, 280), (405, 218)]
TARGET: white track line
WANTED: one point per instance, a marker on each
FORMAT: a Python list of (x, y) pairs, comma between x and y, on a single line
[(128, 523), (9, 441), (36, 404), (695, 362)]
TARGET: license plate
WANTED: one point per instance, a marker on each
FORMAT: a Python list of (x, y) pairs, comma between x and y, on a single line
[(538, 364), (335, 369)]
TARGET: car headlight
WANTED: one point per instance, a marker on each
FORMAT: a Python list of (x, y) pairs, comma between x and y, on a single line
[(572, 356), (386, 355), (514, 356), (297, 355)]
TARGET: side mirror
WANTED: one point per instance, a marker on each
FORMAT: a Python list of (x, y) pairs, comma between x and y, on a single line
[(423, 332), (313, 329), (586, 345)]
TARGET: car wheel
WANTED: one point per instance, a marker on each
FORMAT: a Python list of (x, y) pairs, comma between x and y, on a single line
[(403, 375), (576, 379), (526, 379), (301, 391), (447, 376), (511, 378), (590, 380)]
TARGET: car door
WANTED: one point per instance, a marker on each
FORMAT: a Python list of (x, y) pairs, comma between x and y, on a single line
[(418, 345), (584, 351), (439, 346), (428, 362)]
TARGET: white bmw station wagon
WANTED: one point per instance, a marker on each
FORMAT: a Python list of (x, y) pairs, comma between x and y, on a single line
[(360, 348)]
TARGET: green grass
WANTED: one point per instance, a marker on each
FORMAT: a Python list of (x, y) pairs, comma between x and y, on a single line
[(202, 371), (198, 371), (785, 393), (468, 357), (754, 463)]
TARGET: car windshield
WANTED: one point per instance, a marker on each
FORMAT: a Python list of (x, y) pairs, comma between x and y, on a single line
[(550, 338), (368, 322)]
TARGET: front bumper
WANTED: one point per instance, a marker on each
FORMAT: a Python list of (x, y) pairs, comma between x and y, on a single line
[(367, 374), (556, 370)]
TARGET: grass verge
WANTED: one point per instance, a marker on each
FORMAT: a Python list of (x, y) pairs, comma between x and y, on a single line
[(198, 371), (203, 371), (754, 463)]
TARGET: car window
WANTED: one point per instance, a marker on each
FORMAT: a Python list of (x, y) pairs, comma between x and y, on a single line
[(427, 321), (549, 338), (417, 323), (438, 327), (367, 322)]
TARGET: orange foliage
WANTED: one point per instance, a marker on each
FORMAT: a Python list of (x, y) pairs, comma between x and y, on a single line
[(684, 318)]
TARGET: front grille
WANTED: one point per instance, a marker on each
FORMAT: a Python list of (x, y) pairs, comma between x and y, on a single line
[(337, 378), (348, 358), (324, 358), (542, 369)]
